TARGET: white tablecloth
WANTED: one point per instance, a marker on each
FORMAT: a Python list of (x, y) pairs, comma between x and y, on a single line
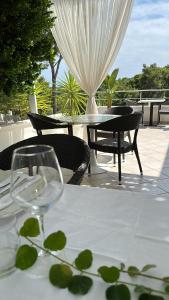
[(123, 226)]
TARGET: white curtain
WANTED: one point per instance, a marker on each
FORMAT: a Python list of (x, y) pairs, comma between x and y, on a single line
[(89, 34)]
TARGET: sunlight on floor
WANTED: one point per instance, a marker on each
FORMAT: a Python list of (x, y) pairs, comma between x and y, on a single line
[(153, 147)]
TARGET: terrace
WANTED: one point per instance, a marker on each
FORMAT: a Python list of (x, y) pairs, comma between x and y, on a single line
[(153, 149), (124, 222)]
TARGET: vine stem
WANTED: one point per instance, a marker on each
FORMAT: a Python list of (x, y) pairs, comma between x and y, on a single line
[(145, 275), (97, 275), (137, 285)]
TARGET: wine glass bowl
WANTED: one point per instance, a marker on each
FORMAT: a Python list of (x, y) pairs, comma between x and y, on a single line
[(40, 182)]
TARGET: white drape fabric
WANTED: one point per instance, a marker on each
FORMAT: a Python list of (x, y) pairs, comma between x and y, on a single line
[(89, 34)]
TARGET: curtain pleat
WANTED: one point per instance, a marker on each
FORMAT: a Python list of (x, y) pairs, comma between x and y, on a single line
[(89, 34)]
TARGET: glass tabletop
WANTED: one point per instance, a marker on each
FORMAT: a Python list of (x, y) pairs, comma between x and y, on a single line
[(87, 119)]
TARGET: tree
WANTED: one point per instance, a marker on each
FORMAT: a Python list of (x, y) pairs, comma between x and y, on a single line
[(24, 25), (18, 104), (54, 59), (109, 84), (43, 96), (107, 88), (124, 84), (71, 98), (152, 77)]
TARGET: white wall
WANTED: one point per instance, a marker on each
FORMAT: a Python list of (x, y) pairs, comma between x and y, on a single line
[(22, 130)]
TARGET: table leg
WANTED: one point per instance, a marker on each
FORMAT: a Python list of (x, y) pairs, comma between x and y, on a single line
[(151, 114), (94, 166), (159, 107), (142, 108)]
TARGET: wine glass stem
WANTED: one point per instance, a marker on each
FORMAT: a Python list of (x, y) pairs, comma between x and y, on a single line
[(42, 233)]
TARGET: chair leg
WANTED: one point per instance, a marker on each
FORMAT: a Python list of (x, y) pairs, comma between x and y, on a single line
[(129, 138), (119, 167), (138, 159)]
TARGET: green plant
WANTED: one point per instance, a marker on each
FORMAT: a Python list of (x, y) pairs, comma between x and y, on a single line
[(43, 95), (24, 47), (71, 98), (18, 104), (76, 277), (109, 86)]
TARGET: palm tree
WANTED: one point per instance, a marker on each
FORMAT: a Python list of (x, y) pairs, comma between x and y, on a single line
[(109, 85), (72, 99)]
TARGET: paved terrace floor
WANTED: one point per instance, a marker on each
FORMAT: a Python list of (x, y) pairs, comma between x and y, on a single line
[(153, 146)]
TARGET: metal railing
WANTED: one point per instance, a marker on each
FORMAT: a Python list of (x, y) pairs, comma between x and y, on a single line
[(141, 95)]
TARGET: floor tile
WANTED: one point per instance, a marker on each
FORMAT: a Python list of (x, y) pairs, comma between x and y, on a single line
[(153, 145)]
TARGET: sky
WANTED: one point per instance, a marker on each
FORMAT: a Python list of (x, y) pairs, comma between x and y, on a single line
[(146, 40)]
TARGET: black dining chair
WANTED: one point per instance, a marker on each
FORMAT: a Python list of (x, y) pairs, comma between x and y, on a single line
[(115, 144), (40, 123), (72, 153), (117, 111)]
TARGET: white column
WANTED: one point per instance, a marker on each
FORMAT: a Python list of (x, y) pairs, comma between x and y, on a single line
[(33, 103)]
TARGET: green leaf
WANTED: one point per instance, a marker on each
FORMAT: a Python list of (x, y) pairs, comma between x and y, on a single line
[(26, 256), (80, 285), (30, 228), (60, 275), (112, 78), (118, 292), (109, 274), (55, 241), (84, 260), (148, 267), (150, 297), (167, 289), (133, 271)]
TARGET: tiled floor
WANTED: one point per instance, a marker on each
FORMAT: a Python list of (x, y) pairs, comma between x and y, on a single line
[(153, 145)]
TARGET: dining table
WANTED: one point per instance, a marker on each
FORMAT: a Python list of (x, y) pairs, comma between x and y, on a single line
[(117, 226), (151, 103), (84, 120)]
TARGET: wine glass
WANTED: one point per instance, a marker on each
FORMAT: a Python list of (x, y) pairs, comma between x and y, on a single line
[(36, 184)]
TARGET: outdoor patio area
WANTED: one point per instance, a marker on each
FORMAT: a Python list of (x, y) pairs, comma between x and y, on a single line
[(153, 146)]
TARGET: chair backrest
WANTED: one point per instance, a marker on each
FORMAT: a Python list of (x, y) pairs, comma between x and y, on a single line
[(40, 122), (72, 153), (119, 110), (122, 123)]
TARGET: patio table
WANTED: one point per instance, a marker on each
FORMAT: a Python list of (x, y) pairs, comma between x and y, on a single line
[(118, 226), (151, 103), (86, 120)]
